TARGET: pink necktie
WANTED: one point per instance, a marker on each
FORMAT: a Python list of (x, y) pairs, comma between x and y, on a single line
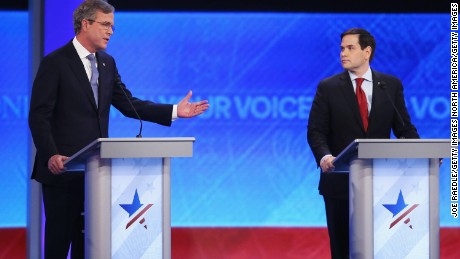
[(362, 102)]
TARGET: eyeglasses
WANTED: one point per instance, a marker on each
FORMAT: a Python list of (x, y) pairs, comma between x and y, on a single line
[(105, 25)]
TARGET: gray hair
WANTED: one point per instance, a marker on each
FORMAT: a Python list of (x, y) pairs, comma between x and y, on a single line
[(87, 10)]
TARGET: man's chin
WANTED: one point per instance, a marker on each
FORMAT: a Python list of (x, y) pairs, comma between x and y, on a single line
[(103, 47)]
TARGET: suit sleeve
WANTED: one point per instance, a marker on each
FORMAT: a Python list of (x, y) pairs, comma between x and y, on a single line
[(42, 103), (318, 123), (147, 110)]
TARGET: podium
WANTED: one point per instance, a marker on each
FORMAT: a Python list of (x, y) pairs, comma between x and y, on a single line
[(393, 196), (127, 195)]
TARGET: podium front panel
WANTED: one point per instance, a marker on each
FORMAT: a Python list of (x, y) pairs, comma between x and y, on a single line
[(137, 208), (401, 205), (127, 208)]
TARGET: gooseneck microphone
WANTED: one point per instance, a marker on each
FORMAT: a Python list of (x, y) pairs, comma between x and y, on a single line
[(383, 85), (132, 106)]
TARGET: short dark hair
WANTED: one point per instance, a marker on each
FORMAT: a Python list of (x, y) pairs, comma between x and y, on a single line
[(365, 39), (87, 10)]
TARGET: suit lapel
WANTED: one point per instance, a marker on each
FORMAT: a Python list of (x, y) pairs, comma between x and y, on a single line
[(350, 97), (377, 95), (78, 68)]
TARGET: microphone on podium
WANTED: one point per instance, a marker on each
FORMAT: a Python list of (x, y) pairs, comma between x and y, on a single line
[(118, 82), (383, 85)]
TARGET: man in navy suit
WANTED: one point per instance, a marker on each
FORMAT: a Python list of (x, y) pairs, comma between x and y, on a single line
[(66, 115), (336, 119)]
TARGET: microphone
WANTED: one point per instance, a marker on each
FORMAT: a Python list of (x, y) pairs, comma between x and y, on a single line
[(383, 85), (132, 106)]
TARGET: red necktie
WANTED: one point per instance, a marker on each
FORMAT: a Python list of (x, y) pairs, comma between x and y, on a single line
[(362, 102)]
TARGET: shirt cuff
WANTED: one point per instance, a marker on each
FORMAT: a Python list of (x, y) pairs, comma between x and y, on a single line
[(174, 113)]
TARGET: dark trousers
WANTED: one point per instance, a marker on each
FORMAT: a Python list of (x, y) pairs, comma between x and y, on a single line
[(64, 205), (338, 227)]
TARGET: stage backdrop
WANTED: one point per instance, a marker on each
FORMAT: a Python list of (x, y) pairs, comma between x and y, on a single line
[(252, 165)]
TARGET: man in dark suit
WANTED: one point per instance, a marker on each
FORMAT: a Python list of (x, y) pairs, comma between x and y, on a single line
[(337, 117), (69, 108)]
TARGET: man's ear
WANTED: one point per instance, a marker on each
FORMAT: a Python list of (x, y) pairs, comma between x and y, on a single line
[(368, 51), (84, 24)]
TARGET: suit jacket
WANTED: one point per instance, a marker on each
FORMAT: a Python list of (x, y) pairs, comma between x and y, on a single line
[(63, 116), (335, 121)]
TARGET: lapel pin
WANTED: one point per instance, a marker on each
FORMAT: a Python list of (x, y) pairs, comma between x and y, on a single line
[(103, 64)]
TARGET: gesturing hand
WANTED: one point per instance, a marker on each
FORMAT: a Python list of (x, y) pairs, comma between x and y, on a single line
[(185, 109)]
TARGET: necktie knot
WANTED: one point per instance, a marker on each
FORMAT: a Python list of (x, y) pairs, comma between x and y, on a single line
[(359, 81), (91, 57)]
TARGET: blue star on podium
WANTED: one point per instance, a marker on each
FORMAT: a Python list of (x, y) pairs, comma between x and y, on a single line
[(398, 207), (134, 206)]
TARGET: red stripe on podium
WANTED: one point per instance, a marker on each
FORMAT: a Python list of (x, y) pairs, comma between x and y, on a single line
[(403, 215), (138, 215)]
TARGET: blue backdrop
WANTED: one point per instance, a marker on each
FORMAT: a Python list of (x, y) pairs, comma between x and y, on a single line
[(252, 165)]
